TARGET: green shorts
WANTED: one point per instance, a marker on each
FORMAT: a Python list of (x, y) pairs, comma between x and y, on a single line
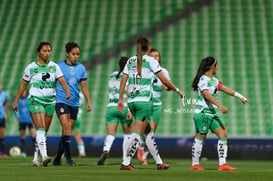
[(114, 116), (156, 113), (36, 106), (204, 122), (141, 110)]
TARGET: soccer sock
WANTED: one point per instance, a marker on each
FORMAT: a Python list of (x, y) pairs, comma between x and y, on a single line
[(81, 148), (132, 148), (108, 141), (60, 150), (196, 150), (125, 144), (222, 150), (2, 145), (36, 149), (66, 146), (23, 145), (152, 146), (41, 141)]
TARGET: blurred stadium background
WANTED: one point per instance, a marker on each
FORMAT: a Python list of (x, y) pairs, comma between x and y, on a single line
[(239, 33)]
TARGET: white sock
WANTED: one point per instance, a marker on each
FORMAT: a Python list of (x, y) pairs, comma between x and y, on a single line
[(222, 151), (41, 141), (81, 149), (196, 151), (132, 148), (125, 144), (152, 146), (36, 151), (108, 141)]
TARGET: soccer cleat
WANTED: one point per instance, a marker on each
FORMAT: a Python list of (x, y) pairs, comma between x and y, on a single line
[(103, 157), (4, 155), (145, 162), (82, 155), (57, 162), (23, 154), (163, 166), (46, 160), (196, 167), (71, 163), (226, 167), (36, 163), (127, 167)]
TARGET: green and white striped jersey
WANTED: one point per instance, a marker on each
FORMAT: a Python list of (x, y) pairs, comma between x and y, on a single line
[(42, 81), (113, 86), (157, 87), (140, 88), (210, 84)]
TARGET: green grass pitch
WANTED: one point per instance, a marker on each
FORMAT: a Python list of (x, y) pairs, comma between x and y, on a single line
[(20, 169)]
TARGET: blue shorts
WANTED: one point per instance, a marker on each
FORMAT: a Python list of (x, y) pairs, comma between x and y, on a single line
[(23, 126), (2, 123), (62, 108)]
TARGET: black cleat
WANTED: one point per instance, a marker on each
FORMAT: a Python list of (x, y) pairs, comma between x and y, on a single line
[(71, 163), (46, 161), (57, 162), (103, 157)]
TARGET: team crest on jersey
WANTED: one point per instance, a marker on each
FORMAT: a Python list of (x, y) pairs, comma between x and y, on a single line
[(35, 70), (51, 69), (204, 128), (36, 107)]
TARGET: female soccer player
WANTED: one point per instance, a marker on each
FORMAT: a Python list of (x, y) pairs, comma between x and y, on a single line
[(206, 116), (157, 104), (67, 110), (41, 75), (25, 121), (140, 71), (113, 116), (4, 117)]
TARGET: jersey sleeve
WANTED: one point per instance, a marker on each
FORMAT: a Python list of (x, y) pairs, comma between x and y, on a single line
[(26, 75), (166, 73), (203, 84), (59, 73), (83, 74), (219, 85), (155, 66)]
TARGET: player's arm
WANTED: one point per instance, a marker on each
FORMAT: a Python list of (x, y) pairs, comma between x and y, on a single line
[(212, 100), (65, 87), (169, 84), (121, 92), (85, 92), (129, 115), (231, 92), (21, 89)]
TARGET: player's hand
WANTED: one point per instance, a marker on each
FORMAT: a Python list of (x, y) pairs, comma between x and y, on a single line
[(88, 107), (120, 106), (223, 109), (67, 95), (15, 106), (244, 100), (181, 93), (129, 115)]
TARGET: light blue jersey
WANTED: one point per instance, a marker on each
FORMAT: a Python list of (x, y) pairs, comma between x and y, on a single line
[(73, 75), (3, 100), (23, 112)]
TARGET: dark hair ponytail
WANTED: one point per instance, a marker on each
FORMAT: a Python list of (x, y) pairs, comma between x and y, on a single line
[(122, 63), (142, 46), (204, 66)]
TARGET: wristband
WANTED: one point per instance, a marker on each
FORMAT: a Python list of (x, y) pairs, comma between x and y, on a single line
[(239, 96), (177, 90)]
